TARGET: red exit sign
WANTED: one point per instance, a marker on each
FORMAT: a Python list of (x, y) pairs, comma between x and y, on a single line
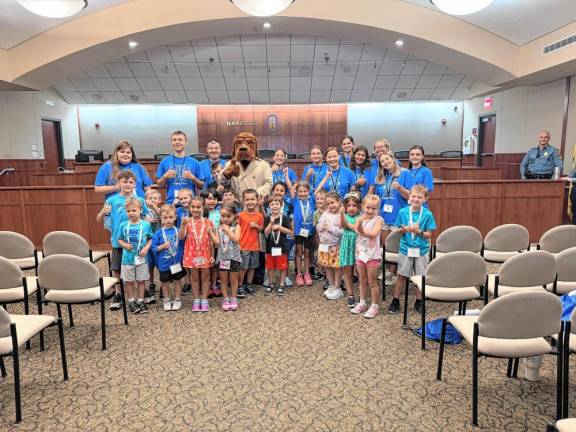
[(488, 103)]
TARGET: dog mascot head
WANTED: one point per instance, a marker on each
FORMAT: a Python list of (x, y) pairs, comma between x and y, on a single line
[(244, 150)]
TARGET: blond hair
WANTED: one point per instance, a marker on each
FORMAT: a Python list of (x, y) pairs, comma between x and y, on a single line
[(381, 176)]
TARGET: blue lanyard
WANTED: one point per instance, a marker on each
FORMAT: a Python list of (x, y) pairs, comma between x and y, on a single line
[(334, 182), (179, 173)]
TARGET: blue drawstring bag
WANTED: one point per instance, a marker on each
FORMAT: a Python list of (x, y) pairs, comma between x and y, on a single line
[(568, 305), (434, 332)]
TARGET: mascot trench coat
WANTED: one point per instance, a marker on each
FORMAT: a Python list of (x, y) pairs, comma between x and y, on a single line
[(258, 176)]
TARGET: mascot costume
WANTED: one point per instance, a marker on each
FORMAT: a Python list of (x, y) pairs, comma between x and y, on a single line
[(246, 170)]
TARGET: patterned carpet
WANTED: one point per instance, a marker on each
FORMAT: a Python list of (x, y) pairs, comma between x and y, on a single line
[(297, 363)]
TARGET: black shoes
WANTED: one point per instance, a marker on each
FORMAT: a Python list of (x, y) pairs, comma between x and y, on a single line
[(394, 307), (418, 306)]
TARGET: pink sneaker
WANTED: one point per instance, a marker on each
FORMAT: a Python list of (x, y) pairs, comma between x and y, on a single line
[(300, 280), (233, 305), (372, 312), (204, 307), (195, 307), (359, 309), (226, 305), (308, 279)]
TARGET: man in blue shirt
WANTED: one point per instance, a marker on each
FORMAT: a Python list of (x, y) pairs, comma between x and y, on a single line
[(179, 171), (540, 161), (213, 151)]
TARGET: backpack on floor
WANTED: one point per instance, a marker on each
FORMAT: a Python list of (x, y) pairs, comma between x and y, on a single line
[(568, 305), (434, 332)]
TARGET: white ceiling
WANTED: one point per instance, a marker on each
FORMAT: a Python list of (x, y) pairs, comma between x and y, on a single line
[(17, 24), (263, 69), (520, 21)]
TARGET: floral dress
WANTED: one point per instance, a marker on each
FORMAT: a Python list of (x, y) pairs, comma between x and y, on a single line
[(198, 246)]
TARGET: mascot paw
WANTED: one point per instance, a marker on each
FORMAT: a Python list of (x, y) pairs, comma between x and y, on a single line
[(233, 170)]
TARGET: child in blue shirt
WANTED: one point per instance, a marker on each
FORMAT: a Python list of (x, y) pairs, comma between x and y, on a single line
[(338, 178), (304, 206), (316, 171), (361, 167), (418, 169), (416, 224)]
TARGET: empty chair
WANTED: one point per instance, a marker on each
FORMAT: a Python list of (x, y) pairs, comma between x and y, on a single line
[(199, 156), (304, 155), (504, 242), (20, 250), (461, 238), (451, 278), (530, 271), (266, 153), (564, 425), (17, 330), (404, 154), (160, 156), (451, 154), (566, 272), (390, 255), (70, 280), (66, 242), (557, 239), (15, 287), (510, 327)]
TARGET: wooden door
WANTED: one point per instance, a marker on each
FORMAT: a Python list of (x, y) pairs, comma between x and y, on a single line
[(52, 140), (487, 141)]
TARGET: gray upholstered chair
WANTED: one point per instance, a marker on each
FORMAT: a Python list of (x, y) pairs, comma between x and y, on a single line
[(68, 279), (390, 255), (505, 241), (451, 278), (510, 327), (529, 271), (565, 425), (20, 250), (66, 242), (557, 239), (15, 287), (17, 330), (458, 238), (566, 271)]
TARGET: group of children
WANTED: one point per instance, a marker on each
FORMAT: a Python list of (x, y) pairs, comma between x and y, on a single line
[(213, 240)]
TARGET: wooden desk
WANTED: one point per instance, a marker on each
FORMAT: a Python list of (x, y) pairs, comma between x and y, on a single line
[(470, 173), (436, 164), (62, 179)]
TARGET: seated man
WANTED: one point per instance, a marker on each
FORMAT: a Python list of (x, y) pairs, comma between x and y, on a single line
[(540, 161)]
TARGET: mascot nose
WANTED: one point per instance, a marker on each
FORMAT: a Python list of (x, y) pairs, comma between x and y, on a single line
[(243, 149)]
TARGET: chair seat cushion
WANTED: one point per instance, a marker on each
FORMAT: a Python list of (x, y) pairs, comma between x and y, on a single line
[(563, 287), (8, 295), (498, 256), (28, 262), (26, 327), (445, 293), (98, 255), (80, 295), (499, 347), (566, 425), (504, 289), (571, 342), (391, 257)]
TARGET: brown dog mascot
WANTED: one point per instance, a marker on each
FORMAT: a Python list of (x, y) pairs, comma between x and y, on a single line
[(246, 170)]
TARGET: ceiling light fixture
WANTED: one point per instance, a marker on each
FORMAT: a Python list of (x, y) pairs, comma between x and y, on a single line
[(459, 7), (399, 43), (54, 8), (266, 25), (262, 7), (132, 44)]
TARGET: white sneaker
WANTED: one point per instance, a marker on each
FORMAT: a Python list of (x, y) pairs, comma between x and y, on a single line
[(176, 304), (287, 282), (167, 305), (335, 294), (532, 367), (327, 291)]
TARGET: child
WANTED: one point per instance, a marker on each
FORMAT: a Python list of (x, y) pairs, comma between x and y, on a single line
[(278, 227), (304, 208), (229, 256), (168, 250), (361, 167), (114, 209), (416, 224), (419, 170), (153, 198), (229, 197), (348, 244), (251, 224), (368, 255), (329, 233), (198, 252), (182, 211), (135, 238), (212, 212), (320, 199)]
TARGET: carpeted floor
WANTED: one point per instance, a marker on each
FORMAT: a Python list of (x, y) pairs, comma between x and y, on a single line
[(297, 363)]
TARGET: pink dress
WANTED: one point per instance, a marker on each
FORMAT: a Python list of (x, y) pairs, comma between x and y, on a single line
[(198, 246)]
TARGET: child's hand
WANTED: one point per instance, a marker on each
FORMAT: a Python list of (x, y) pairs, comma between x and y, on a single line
[(187, 174), (186, 220), (211, 261), (361, 181), (128, 246), (143, 252), (328, 174), (395, 185), (254, 225), (275, 227), (165, 245), (107, 209), (285, 172), (171, 173)]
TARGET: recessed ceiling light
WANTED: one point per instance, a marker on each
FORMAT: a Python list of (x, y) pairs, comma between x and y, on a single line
[(54, 8), (262, 7), (132, 44), (459, 7), (266, 25), (399, 43)]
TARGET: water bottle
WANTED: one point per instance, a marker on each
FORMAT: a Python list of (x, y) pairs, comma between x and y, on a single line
[(532, 367)]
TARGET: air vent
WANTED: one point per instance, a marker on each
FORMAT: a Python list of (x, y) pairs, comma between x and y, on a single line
[(560, 44)]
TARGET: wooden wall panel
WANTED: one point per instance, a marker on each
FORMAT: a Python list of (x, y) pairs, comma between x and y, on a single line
[(470, 173)]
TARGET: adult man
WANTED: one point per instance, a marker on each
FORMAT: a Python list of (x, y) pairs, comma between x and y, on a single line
[(213, 151), (539, 162), (179, 171)]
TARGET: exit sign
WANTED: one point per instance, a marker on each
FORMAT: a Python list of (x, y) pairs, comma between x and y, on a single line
[(488, 103)]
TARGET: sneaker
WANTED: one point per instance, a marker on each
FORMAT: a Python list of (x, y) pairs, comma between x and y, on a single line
[(334, 294), (394, 307), (372, 312), (116, 301), (134, 308), (287, 282), (280, 291), (160, 294), (326, 289), (233, 305), (418, 306), (152, 289), (351, 302), (143, 307), (149, 297), (225, 305), (354, 279), (217, 292), (176, 305), (359, 309), (269, 290), (204, 307), (318, 276), (186, 288), (266, 284), (250, 289), (241, 292), (308, 279), (326, 286), (300, 280), (196, 307), (167, 305), (380, 277)]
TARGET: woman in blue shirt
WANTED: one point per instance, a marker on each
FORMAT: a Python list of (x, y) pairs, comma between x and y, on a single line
[(361, 167), (280, 171), (123, 159), (337, 178), (417, 167), (315, 172), (347, 144)]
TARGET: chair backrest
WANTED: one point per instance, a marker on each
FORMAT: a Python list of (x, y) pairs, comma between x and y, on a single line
[(456, 270), (199, 156), (558, 238), (392, 243), (266, 153), (566, 265), (304, 155), (528, 269), (507, 238), (451, 154), (65, 242), (404, 154), (14, 245), (10, 274), (459, 238), (4, 323), (67, 272), (521, 315), (160, 156)]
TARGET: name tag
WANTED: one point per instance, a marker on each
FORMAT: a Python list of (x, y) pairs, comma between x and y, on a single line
[(176, 192), (138, 260), (388, 208), (364, 257), (225, 265), (324, 248), (198, 261), (176, 268), (304, 232), (276, 251), (413, 252)]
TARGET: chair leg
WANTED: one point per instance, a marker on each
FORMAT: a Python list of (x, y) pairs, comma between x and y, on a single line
[(423, 322), (559, 372), (59, 310), (2, 367), (103, 322), (475, 376), (16, 364), (62, 350), (441, 352), (109, 265), (515, 362), (565, 381), (124, 311), (509, 369), (39, 306), (464, 304), (405, 319), (70, 317)]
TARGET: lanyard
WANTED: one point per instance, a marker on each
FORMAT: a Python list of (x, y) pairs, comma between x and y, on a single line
[(276, 238), (334, 182), (127, 234), (198, 238), (226, 242), (388, 186), (417, 222), (415, 172), (173, 248), (179, 172), (305, 209), (316, 170)]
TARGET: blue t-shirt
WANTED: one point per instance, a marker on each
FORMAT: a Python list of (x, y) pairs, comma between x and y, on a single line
[(423, 176), (104, 177), (205, 168), (345, 161), (187, 163), (181, 212), (391, 197), (340, 181), (425, 221), (319, 171), (368, 174), (118, 215), (214, 216), (303, 215), (171, 256), (278, 176), (137, 235)]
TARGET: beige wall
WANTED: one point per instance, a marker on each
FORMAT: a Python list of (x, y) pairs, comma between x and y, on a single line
[(571, 129)]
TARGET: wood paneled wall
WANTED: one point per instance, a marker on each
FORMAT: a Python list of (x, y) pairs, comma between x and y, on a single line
[(470, 173)]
